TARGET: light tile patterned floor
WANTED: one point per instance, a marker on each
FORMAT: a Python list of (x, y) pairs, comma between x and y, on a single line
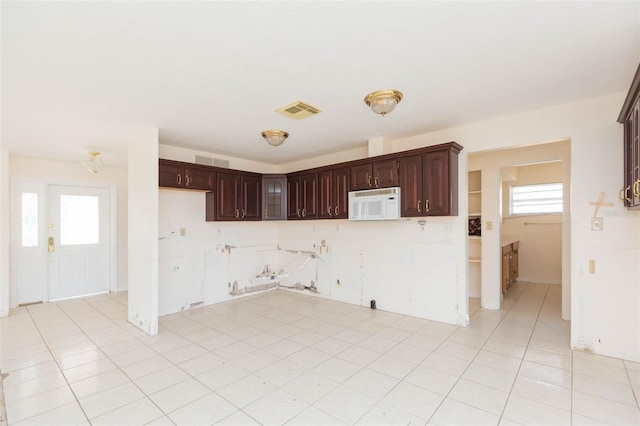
[(289, 358)]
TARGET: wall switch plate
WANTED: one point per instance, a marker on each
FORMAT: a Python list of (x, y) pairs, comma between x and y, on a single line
[(183, 232), (596, 224), (489, 225), (592, 266)]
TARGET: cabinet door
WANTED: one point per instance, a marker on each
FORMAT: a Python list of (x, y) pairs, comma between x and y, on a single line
[(505, 272), (170, 175), (309, 196), (411, 186), (627, 187), (227, 196), (325, 195), (250, 208), (294, 206), (439, 177), (635, 156), (361, 177), (274, 197), (210, 207), (385, 174), (340, 192), (195, 178)]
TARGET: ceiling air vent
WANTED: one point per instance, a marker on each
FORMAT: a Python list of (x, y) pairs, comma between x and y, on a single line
[(298, 110), (210, 161)]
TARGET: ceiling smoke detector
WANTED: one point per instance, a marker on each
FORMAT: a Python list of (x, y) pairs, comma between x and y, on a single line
[(299, 110)]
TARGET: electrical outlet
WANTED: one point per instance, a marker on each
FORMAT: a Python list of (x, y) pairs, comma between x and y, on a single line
[(592, 266), (596, 224)]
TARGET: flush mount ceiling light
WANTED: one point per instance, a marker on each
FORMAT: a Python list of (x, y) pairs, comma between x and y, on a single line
[(94, 164), (383, 101), (275, 137)]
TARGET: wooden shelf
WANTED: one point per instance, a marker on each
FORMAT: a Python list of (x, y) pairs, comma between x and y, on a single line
[(475, 260)]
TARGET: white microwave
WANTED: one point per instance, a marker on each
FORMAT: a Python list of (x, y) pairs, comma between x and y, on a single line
[(375, 204)]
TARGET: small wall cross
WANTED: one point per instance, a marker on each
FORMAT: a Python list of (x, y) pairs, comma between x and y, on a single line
[(599, 204)]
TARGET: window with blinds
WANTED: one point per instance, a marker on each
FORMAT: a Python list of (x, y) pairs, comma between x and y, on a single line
[(535, 199)]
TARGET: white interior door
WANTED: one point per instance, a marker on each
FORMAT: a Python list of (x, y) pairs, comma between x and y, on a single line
[(78, 241)]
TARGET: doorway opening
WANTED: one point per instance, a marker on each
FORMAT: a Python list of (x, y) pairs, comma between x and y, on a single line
[(535, 245)]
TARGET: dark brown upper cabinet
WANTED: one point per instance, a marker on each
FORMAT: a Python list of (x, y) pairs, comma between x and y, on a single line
[(411, 186), (429, 183), (333, 193), (274, 197), (302, 196), (237, 197), (630, 117), (428, 178), (175, 174), (375, 174), (440, 183)]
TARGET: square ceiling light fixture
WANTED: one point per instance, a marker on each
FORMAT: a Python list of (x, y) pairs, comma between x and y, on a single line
[(299, 110)]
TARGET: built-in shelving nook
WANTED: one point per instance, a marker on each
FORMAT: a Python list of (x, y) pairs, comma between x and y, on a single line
[(475, 232)]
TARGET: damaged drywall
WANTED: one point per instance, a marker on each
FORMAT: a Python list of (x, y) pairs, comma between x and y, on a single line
[(288, 276), (404, 268)]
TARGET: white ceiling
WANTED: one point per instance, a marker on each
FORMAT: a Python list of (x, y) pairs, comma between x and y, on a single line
[(80, 75)]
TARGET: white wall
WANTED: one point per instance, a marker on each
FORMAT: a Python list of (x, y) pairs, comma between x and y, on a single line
[(540, 236), (143, 229), (169, 152), (4, 232), (195, 267), (402, 267), (405, 269), (63, 172)]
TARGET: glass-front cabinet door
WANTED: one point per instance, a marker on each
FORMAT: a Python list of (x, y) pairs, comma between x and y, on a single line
[(274, 197)]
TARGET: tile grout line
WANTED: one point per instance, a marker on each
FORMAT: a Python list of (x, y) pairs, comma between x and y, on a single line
[(434, 350), (480, 349), (636, 393), (35, 324), (100, 349), (546, 293)]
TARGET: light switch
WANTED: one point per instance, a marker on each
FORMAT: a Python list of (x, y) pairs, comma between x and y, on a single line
[(183, 232), (592, 266), (489, 225)]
